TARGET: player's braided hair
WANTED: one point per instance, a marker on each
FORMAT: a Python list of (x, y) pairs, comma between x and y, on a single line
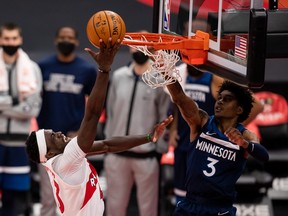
[(243, 95), (32, 148)]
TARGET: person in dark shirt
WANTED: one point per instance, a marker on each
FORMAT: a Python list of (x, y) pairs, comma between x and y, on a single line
[(219, 148)]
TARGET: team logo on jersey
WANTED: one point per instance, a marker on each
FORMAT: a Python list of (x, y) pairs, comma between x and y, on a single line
[(210, 133), (216, 150), (91, 186), (223, 213)]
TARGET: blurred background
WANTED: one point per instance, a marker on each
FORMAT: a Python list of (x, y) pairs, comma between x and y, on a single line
[(39, 20)]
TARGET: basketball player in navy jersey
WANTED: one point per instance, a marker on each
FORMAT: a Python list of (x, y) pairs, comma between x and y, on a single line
[(219, 148), (203, 88)]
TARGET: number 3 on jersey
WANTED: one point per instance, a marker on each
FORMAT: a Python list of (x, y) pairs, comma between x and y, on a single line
[(211, 166)]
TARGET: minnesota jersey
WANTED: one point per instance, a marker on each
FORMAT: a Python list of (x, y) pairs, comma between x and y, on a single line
[(214, 165)]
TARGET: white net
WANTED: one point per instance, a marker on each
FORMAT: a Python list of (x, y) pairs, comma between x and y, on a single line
[(163, 70)]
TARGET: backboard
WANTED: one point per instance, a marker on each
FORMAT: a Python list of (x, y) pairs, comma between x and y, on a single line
[(237, 29)]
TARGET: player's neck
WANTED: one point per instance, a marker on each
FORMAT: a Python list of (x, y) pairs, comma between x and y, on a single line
[(224, 124)]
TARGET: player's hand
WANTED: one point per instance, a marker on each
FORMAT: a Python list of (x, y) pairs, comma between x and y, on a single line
[(235, 136), (105, 56), (160, 128)]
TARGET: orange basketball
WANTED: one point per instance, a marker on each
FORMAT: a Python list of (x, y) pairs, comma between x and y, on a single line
[(103, 25)]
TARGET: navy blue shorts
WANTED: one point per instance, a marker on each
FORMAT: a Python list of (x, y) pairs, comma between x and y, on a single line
[(14, 168), (187, 208)]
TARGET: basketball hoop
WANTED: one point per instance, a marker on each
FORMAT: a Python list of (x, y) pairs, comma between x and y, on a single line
[(165, 54)]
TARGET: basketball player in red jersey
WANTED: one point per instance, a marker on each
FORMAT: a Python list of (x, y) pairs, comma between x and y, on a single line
[(75, 182)]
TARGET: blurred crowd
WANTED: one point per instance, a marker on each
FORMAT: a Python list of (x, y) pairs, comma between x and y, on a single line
[(146, 180)]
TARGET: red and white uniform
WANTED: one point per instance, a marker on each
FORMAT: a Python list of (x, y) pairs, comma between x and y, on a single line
[(75, 183)]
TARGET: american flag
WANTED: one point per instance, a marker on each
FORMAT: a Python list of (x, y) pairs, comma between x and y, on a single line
[(240, 47)]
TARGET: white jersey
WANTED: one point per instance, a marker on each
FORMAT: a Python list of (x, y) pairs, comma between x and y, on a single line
[(75, 183)]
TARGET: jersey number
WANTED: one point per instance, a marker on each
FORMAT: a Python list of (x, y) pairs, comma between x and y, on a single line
[(212, 169)]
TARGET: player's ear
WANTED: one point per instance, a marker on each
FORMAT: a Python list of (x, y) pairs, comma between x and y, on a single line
[(239, 110)]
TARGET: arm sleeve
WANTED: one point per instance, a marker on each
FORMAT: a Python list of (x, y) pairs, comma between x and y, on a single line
[(258, 151)]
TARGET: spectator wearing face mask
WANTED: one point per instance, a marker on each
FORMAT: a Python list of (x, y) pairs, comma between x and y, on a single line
[(20, 101), (67, 80)]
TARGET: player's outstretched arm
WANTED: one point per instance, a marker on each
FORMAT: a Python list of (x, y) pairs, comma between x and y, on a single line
[(186, 105), (104, 58), (118, 144)]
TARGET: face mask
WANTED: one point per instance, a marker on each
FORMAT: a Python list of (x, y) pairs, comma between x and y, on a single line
[(139, 57), (66, 48), (192, 71), (10, 50)]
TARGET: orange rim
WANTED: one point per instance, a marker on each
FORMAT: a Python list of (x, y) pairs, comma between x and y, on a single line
[(166, 41)]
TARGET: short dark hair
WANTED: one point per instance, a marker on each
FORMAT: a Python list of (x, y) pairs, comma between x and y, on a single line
[(243, 95), (10, 26), (32, 148), (60, 28)]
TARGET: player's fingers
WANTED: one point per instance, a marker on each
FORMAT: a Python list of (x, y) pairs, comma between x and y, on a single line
[(158, 131), (161, 126), (117, 43), (155, 137), (103, 46), (229, 130), (110, 43), (233, 135), (116, 46), (168, 120), (91, 53)]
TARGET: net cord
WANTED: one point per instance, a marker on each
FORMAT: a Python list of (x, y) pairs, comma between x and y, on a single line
[(163, 70)]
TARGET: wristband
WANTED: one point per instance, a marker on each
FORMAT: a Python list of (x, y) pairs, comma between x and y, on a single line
[(250, 147), (258, 151), (149, 137), (104, 71)]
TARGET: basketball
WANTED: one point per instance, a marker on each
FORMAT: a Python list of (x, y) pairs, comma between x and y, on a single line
[(103, 25)]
